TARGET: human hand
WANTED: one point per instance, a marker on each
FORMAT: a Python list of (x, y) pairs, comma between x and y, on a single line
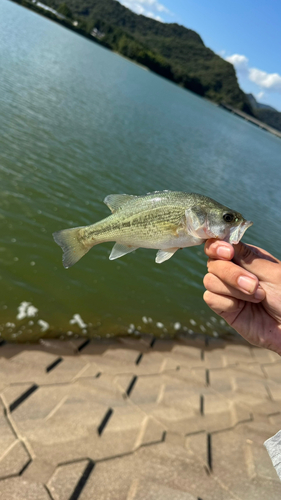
[(244, 287)]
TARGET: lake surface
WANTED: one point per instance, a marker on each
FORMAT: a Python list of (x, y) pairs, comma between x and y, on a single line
[(79, 122)]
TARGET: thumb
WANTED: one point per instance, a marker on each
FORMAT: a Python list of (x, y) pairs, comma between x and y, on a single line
[(257, 261), (254, 259)]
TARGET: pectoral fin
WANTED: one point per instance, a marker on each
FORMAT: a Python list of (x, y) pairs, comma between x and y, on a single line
[(163, 255), (120, 250)]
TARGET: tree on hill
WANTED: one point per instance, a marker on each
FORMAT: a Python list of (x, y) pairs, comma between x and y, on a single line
[(65, 11)]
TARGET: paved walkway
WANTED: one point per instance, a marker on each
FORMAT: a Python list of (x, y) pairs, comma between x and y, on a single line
[(138, 419)]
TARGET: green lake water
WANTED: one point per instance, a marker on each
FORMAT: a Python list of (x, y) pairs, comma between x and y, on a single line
[(79, 122)]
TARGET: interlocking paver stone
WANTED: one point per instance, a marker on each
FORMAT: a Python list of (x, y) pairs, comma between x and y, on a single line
[(138, 419), (232, 451), (274, 390), (264, 355), (41, 359), (65, 479), (7, 436), (14, 460), (169, 467), (152, 432), (154, 491), (12, 394), (20, 489), (273, 371)]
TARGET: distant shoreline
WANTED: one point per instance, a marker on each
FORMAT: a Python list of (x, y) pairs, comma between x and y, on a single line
[(251, 119)]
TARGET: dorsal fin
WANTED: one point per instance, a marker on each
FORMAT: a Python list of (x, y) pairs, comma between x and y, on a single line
[(157, 192), (115, 201)]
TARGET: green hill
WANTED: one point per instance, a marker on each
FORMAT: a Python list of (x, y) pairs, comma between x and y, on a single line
[(171, 50), (258, 105), (270, 116), (265, 113)]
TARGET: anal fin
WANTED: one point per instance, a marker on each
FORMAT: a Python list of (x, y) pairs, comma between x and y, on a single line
[(163, 255), (119, 250)]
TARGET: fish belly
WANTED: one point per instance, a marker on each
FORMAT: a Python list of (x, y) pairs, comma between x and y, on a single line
[(161, 243)]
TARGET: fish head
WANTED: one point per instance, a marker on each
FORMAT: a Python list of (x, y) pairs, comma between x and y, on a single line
[(225, 224)]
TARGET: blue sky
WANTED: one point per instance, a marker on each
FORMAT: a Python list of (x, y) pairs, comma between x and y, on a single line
[(245, 32)]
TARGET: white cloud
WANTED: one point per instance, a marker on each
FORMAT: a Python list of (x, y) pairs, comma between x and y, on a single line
[(268, 81), (148, 8), (239, 62), (265, 80)]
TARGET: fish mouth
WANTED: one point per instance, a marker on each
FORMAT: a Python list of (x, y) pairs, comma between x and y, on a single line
[(236, 233)]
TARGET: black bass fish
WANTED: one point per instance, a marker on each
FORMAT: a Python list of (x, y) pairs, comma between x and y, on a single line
[(164, 220)]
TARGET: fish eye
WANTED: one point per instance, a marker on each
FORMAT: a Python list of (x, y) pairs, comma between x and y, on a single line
[(228, 217)]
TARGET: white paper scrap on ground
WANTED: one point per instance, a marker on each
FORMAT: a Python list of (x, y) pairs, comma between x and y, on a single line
[(273, 446)]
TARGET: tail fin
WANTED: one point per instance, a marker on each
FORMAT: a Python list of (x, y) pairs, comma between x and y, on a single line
[(73, 248)]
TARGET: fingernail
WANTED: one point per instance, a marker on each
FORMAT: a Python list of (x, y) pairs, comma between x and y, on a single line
[(247, 284), (259, 294), (224, 252)]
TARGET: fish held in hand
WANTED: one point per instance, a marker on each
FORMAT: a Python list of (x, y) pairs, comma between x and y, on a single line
[(163, 220)]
